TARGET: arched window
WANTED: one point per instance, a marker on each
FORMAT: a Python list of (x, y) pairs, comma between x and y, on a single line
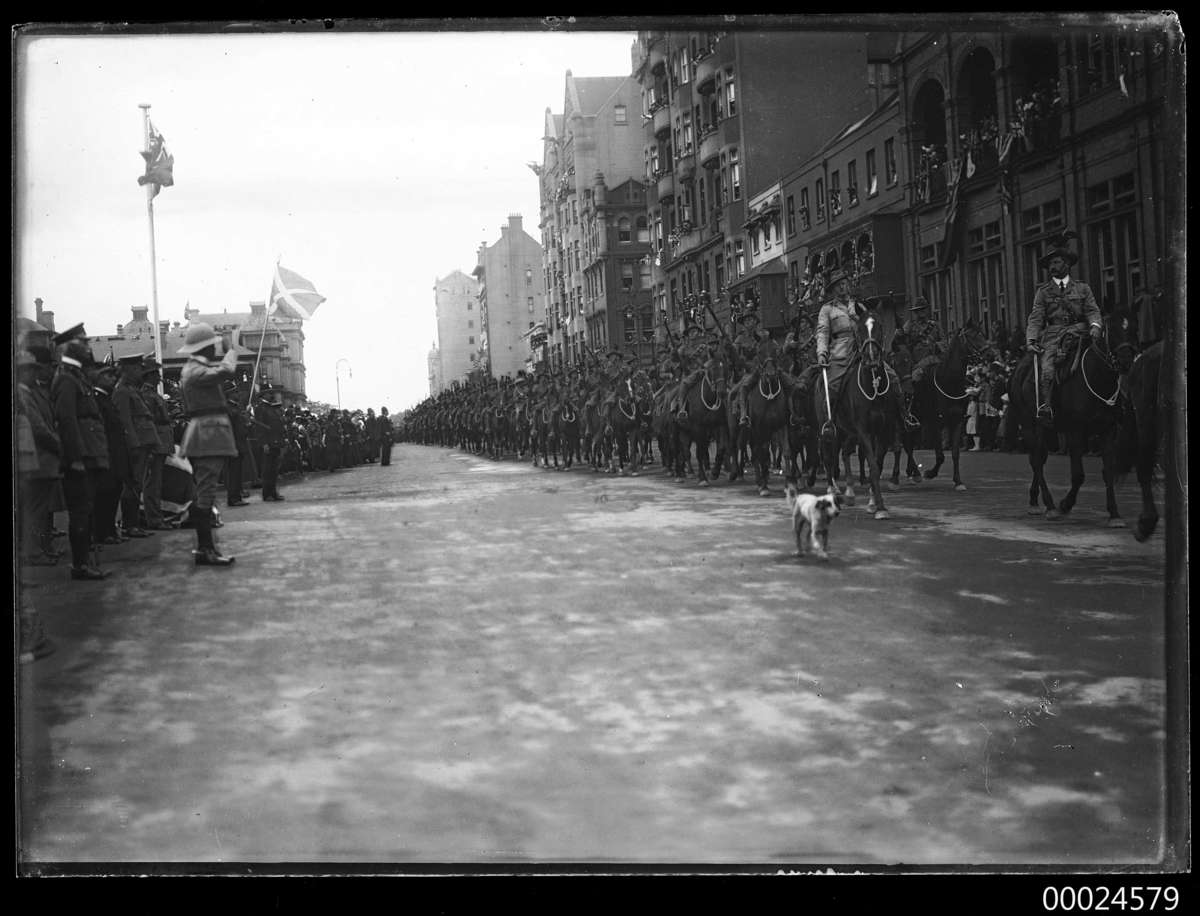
[(831, 259), (977, 98), (643, 231), (866, 254), (848, 254), (623, 230)]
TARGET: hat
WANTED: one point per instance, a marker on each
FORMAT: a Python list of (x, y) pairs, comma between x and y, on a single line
[(39, 353), (149, 363), (692, 326), (134, 360), (749, 311), (919, 304), (75, 333), (198, 336), (1059, 249), (25, 358), (836, 277)]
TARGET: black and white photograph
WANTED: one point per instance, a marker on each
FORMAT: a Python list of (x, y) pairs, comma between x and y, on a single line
[(602, 446)]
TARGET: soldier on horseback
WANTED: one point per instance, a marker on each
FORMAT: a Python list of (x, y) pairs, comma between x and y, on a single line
[(750, 349), (693, 353), (1062, 309)]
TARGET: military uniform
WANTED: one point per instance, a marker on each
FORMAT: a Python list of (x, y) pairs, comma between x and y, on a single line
[(156, 404), (692, 353), (926, 343), (141, 439), (1059, 308)]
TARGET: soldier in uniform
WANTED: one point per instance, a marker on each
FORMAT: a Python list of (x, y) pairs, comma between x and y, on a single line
[(268, 419), (749, 352), (41, 477), (161, 415), (84, 447), (1060, 306), (692, 354), (385, 438), (241, 437), (141, 439), (926, 342), (208, 440)]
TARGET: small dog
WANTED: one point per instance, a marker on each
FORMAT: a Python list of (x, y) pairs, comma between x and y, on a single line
[(811, 516)]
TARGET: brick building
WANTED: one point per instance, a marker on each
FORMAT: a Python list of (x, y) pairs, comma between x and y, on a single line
[(511, 297), (459, 329)]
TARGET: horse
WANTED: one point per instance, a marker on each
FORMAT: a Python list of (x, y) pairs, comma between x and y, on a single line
[(707, 419), (768, 412), (941, 404), (643, 438), (804, 454), (862, 410), (663, 427), (624, 423), (1144, 383), (566, 427), (543, 430), (1087, 405)]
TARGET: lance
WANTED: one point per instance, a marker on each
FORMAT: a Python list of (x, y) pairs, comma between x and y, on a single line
[(667, 325), (707, 300)]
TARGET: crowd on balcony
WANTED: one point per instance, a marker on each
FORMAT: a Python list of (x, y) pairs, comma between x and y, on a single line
[(930, 175), (1038, 114)]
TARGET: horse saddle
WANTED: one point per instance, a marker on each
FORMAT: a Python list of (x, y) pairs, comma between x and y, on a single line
[(1070, 353)]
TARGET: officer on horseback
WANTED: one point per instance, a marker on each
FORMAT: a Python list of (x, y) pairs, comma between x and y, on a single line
[(925, 339), (750, 350), (693, 354), (1062, 308)]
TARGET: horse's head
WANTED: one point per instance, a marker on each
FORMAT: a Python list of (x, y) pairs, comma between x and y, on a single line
[(868, 333), (714, 371), (973, 338), (1119, 338)]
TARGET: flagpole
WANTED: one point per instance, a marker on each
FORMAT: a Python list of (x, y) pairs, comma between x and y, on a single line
[(150, 186), (261, 339)]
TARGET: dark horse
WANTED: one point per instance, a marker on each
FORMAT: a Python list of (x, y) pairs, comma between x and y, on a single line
[(1145, 382), (706, 419), (941, 403), (860, 409), (1086, 404), (566, 427), (767, 407)]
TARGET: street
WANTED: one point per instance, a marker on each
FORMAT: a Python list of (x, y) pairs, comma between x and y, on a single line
[(457, 660)]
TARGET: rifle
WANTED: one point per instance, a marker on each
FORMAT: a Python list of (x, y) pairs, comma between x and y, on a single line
[(707, 300)]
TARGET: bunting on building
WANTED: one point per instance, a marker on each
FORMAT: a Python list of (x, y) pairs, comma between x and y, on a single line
[(950, 228)]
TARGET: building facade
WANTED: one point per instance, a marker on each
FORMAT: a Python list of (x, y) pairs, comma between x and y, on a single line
[(1014, 137), (433, 370), (511, 298), (593, 219), (459, 328), (725, 115)]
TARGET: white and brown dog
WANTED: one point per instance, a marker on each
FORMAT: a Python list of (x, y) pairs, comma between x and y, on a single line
[(811, 516)]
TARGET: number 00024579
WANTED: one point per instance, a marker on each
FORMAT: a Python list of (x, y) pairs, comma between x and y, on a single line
[(1106, 899)]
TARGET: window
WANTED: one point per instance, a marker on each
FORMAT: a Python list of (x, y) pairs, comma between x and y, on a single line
[(1114, 251), (687, 132), (470, 340), (627, 276), (470, 323), (852, 182), (1047, 217), (872, 175), (624, 230), (719, 271), (730, 94), (835, 193), (620, 116), (702, 190), (754, 240), (739, 258), (735, 174), (658, 231), (644, 273), (705, 277), (528, 276), (986, 292), (805, 216), (889, 160), (937, 291), (643, 233), (529, 302), (820, 200), (791, 215), (794, 274), (470, 306)]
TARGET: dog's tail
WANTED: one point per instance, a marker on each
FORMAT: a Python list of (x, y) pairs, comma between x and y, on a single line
[(790, 492)]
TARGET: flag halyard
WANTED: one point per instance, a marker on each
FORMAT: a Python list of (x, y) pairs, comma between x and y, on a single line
[(292, 295)]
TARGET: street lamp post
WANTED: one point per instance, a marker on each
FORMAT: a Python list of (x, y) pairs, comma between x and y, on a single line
[(338, 376)]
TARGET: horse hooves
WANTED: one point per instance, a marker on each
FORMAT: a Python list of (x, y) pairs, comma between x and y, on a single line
[(961, 487), (1117, 522), (1033, 510), (882, 514), (929, 475), (702, 482), (1053, 514), (763, 491)]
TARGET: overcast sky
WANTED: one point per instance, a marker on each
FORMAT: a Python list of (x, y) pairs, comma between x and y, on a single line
[(368, 163)]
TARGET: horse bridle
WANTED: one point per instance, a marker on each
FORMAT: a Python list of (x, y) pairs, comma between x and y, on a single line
[(708, 379), (974, 351), (1107, 356), (862, 360)]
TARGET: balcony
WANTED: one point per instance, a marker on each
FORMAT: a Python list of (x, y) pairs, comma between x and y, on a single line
[(710, 149), (666, 186), (706, 74), (685, 167), (662, 119)]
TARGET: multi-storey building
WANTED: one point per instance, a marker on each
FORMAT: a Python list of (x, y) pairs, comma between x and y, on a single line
[(433, 370), (593, 220), (459, 327), (1012, 137), (725, 115), (511, 297)]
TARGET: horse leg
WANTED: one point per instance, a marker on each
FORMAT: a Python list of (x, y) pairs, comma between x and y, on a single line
[(1076, 445), (939, 454), (846, 449), (1109, 462), (1146, 453), (955, 438), (874, 454)]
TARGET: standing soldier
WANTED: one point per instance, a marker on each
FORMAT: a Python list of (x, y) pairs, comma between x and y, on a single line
[(107, 502), (208, 439), (1060, 306), (141, 439), (84, 447), (40, 471), (385, 438), (269, 421), (157, 405), (234, 469)]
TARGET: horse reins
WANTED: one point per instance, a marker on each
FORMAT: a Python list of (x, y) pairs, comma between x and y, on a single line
[(1083, 371), (717, 404), (955, 397), (773, 395)]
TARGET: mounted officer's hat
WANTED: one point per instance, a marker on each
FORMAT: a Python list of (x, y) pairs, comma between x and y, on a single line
[(197, 336), (836, 277), (73, 333), (1060, 250), (149, 363), (919, 304)]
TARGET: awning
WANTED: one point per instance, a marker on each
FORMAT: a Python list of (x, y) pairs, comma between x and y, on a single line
[(771, 268)]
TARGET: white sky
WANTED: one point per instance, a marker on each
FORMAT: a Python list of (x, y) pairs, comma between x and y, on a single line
[(369, 163)]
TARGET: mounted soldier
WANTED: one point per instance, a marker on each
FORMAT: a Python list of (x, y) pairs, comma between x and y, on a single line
[(925, 339), (692, 353), (1062, 310)]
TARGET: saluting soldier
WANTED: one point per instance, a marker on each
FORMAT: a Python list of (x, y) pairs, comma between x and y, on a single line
[(208, 440), (1060, 306)]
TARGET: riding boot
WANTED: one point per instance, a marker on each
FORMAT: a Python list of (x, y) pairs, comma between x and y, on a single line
[(1045, 410), (206, 553)]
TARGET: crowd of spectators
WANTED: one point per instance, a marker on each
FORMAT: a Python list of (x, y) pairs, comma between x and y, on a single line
[(100, 442)]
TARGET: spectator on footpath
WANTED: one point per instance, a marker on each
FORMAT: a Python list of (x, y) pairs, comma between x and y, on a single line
[(208, 440), (233, 469), (972, 427), (268, 420), (141, 439), (161, 415), (108, 481), (385, 438), (39, 458), (84, 448)]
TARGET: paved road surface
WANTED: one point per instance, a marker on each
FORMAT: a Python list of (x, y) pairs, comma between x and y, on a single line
[(456, 660)]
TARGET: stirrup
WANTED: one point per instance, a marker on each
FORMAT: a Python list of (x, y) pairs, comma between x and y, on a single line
[(744, 421)]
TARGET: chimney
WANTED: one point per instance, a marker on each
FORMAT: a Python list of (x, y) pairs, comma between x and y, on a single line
[(139, 312), (514, 222), (599, 190), (258, 308), (120, 329), (46, 320)]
